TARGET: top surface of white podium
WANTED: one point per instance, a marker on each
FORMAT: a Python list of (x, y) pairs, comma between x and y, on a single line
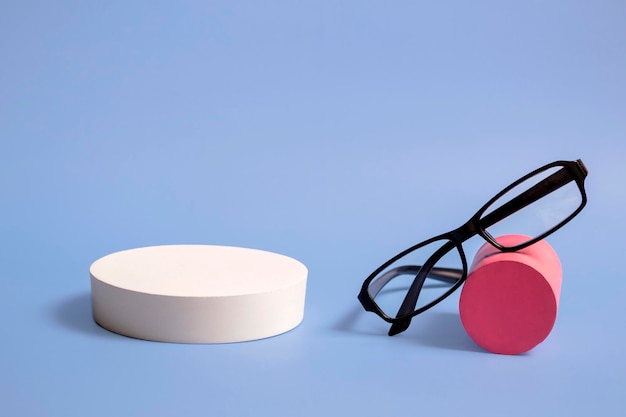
[(198, 270)]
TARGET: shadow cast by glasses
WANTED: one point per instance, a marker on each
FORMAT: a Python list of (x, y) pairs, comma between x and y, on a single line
[(442, 330), (349, 323)]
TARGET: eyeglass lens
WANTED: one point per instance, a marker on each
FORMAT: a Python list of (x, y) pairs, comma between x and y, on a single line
[(541, 215), (389, 288)]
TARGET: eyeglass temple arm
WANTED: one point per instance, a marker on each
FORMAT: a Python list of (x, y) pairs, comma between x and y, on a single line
[(534, 193), (448, 275), (410, 300)]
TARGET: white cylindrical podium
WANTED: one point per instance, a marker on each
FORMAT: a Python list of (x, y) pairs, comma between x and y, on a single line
[(198, 293)]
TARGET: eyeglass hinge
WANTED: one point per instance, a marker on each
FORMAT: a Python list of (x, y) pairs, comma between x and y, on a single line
[(581, 166)]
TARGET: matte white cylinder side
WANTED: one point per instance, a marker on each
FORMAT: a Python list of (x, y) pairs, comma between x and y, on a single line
[(198, 293)]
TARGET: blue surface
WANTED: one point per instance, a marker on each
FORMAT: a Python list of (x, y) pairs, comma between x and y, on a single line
[(337, 133)]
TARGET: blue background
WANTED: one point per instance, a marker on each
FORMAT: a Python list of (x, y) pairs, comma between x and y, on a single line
[(337, 133)]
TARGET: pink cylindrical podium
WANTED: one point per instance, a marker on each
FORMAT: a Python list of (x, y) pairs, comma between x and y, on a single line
[(509, 302)]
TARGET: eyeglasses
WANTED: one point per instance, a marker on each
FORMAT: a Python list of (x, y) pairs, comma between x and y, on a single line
[(423, 275)]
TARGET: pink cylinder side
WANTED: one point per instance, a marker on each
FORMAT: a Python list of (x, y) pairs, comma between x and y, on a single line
[(509, 302)]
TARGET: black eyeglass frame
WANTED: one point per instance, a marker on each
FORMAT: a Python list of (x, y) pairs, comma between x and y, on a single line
[(476, 225)]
